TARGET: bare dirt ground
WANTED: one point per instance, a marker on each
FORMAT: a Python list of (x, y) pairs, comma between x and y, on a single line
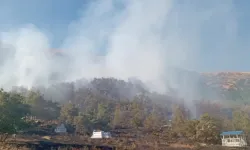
[(118, 143)]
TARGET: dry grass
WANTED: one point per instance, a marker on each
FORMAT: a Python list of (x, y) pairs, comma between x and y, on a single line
[(121, 143)]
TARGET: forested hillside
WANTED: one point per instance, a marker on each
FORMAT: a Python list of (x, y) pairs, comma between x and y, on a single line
[(110, 104)]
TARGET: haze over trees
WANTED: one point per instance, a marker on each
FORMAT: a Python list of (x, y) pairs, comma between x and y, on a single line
[(111, 104)]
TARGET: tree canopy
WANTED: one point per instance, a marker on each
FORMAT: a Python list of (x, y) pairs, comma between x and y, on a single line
[(12, 112)]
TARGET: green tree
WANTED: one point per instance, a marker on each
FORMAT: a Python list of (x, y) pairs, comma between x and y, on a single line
[(12, 112), (190, 129), (137, 113), (207, 130), (42, 108), (102, 112), (241, 121), (178, 120), (152, 121), (117, 117), (227, 124), (137, 120), (79, 122), (68, 112)]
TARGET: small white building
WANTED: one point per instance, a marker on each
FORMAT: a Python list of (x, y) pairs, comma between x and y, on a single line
[(233, 139), (61, 129), (100, 134)]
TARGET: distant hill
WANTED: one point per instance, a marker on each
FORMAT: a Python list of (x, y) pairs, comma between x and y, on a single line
[(231, 86)]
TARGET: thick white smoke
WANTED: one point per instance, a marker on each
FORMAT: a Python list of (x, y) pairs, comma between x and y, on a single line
[(27, 63), (122, 39)]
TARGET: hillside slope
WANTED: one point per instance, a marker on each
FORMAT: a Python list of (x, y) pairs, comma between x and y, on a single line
[(229, 85)]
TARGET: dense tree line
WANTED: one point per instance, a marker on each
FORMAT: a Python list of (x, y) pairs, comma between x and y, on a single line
[(108, 103)]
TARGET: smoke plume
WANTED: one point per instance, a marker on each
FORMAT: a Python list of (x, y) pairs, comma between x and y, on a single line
[(144, 39)]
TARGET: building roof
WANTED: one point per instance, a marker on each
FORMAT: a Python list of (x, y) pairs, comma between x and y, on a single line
[(232, 133)]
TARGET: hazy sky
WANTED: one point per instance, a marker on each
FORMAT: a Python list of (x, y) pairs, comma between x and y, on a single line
[(204, 35)]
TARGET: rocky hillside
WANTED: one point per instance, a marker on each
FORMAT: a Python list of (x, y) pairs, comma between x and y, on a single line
[(228, 80), (234, 86)]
